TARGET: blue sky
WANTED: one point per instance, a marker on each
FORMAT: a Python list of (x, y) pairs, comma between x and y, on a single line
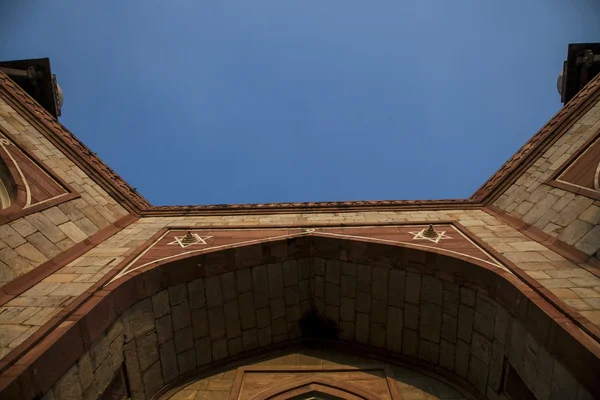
[(198, 102)]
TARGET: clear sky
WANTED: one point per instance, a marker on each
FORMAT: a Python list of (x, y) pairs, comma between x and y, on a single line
[(204, 102)]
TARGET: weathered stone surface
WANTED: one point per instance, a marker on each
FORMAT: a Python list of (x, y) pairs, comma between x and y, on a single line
[(449, 327), (589, 242), (99, 351), (332, 294), (277, 308), (362, 328), (465, 323), (478, 373), (46, 227), (481, 348), (184, 339), (229, 286), (432, 290), (396, 286), (68, 386), (181, 316), (261, 291), (147, 350), (203, 350), (430, 322), (463, 354), (214, 294), (332, 271), (103, 375), (168, 361), (347, 309), (160, 304), (263, 317), (250, 339), (186, 361), (178, 294), (380, 283), (429, 351), (153, 379), (410, 342), (164, 329), (10, 236), (85, 370), (467, 296), (394, 329), (348, 286), (200, 322), (232, 319), (484, 318), (196, 294), (413, 287), (243, 280), (447, 355), (292, 296), (564, 380), (363, 302), (411, 316), (290, 273), (275, 276), (142, 317), (216, 323)]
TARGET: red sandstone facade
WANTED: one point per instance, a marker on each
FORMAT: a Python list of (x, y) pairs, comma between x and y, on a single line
[(103, 294)]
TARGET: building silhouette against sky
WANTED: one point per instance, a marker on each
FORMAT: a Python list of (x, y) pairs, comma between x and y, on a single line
[(105, 296)]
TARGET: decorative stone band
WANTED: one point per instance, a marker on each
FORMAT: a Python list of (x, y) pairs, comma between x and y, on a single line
[(39, 362)]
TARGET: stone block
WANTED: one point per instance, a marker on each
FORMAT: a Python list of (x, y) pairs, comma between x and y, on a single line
[(247, 310), (363, 302), (449, 327), (184, 339), (91, 393), (243, 280), (290, 273), (153, 379), (380, 284), (249, 339), (484, 320), (160, 304), (413, 288), (164, 329), (216, 323), (347, 309), (264, 336), (377, 335), (545, 365), (292, 296), (11, 237), (199, 322), (46, 227), (85, 370), (467, 296), (46, 247), (304, 290), (293, 313), (447, 355), (347, 331), (572, 210), (277, 308), (181, 316), (332, 271), (31, 254), (411, 316), (73, 232), (429, 351), (55, 215), (279, 327), (481, 347), (463, 353), (103, 375), (574, 231), (196, 294), (496, 364), (465, 323), (186, 361), (178, 294), (589, 243), (591, 215), (394, 329), (229, 286), (134, 372), (142, 317), (332, 294), (501, 324), (564, 380), (349, 269), (396, 286), (275, 276), (362, 327), (410, 342), (432, 290), (348, 286), (23, 227), (147, 347), (116, 352), (203, 350), (319, 287), (234, 346), (478, 373), (430, 322), (364, 275), (214, 294), (99, 350), (263, 317), (232, 319), (168, 361), (261, 291), (540, 208)]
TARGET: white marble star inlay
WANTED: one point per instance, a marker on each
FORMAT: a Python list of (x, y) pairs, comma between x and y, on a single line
[(420, 236), (195, 239)]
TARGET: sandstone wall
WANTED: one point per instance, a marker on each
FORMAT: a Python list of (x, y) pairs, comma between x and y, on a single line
[(573, 218), (36, 238), (431, 317)]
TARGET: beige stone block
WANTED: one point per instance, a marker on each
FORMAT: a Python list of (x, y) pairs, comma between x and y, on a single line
[(540, 207), (16, 262), (31, 254), (142, 318), (22, 227), (85, 370), (574, 231), (48, 229), (55, 215), (11, 237), (591, 215), (68, 386), (590, 243), (73, 232), (72, 212), (65, 244), (572, 210), (86, 226), (153, 379), (46, 247)]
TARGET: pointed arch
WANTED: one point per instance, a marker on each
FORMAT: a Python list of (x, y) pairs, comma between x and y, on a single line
[(317, 385)]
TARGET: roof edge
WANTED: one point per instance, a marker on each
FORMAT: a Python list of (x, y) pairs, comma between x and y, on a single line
[(539, 143)]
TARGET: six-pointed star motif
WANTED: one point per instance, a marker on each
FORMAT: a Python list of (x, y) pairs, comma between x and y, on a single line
[(197, 239), (419, 236)]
